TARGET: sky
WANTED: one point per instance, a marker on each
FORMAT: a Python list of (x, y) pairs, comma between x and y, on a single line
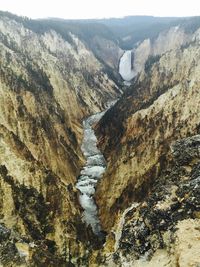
[(78, 9)]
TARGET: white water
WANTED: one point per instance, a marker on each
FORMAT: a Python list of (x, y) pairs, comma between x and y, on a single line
[(125, 69), (91, 173)]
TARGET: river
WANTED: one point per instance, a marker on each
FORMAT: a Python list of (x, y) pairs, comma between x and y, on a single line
[(92, 171), (95, 163)]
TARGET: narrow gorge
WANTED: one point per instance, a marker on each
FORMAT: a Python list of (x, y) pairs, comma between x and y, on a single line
[(95, 165), (86, 180)]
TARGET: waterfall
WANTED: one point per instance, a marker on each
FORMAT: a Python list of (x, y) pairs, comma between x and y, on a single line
[(126, 66)]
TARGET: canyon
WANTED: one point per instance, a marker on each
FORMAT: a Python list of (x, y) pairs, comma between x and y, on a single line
[(99, 145)]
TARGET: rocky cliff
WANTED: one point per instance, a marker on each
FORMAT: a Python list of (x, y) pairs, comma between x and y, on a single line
[(142, 189), (163, 229), (173, 38), (47, 86)]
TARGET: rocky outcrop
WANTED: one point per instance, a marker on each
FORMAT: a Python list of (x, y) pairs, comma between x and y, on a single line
[(172, 207), (163, 229)]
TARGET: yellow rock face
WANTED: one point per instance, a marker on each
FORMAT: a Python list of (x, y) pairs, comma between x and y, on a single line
[(187, 244), (162, 107), (47, 86)]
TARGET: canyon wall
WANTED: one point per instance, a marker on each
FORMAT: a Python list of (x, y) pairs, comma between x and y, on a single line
[(47, 87), (137, 137), (147, 50)]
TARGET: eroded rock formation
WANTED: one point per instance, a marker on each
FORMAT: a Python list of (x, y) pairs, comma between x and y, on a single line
[(148, 198), (47, 86), (163, 229)]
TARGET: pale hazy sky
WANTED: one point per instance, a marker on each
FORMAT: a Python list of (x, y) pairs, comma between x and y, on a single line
[(74, 9)]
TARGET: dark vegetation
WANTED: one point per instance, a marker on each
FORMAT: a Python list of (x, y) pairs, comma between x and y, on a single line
[(38, 82), (126, 32), (191, 25), (134, 29), (146, 235), (85, 31), (150, 61)]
